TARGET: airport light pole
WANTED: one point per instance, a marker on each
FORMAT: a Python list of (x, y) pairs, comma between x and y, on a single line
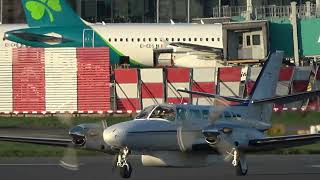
[(1, 4), (157, 4)]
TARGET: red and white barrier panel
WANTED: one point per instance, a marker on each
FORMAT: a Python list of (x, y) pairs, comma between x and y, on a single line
[(6, 80), (204, 80), (127, 89), (152, 86), (229, 79), (177, 78), (46, 80), (253, 73), (93, 80)]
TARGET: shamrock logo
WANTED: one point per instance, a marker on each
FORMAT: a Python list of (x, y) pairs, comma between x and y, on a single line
[(38, 8)]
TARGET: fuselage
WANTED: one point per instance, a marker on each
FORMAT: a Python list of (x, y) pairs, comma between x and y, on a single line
[(138, 40), (9, 27), (135, 42), (180, 128)]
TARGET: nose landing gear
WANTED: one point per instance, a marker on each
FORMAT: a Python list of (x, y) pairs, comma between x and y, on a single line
[(239, 162), (124, 166)]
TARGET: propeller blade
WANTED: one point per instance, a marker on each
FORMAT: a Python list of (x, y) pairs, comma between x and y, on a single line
[(70, 159)]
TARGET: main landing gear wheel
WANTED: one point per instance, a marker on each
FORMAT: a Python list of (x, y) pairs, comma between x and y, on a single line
[(125, 171), (124, 166), (240, 163)]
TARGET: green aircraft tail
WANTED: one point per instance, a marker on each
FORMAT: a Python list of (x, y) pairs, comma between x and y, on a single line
[(40, 13)]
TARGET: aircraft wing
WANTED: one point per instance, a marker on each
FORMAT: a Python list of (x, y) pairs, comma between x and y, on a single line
[(280, 142), (196, 47), (209, 95), (37, 140)]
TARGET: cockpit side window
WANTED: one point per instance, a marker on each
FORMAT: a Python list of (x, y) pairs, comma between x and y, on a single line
[(145, 112), (161, 112)]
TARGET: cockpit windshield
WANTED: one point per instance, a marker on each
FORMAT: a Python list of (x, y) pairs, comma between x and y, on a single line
[(164, 112), (145, 112)]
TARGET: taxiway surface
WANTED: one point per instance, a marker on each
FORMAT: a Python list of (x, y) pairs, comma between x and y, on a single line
[(293, 167)]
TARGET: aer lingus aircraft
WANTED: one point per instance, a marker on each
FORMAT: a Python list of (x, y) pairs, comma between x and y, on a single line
[(170, 135), (53, 23)]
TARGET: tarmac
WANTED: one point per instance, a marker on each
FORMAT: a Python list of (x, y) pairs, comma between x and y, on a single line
[(271, 167)]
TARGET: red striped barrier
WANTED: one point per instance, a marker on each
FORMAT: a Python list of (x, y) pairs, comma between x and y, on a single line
[(177, 78)]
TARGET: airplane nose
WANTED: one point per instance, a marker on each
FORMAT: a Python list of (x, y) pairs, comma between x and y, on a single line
[(114, 137)]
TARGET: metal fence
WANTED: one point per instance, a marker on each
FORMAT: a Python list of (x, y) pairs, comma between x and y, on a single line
[(266, 12)]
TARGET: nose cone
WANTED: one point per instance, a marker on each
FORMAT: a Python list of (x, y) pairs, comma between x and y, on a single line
[(114, 136)]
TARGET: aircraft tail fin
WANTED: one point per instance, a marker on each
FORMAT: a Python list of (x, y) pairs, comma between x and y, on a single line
[(266, 84), (40, 13), (265, 88)]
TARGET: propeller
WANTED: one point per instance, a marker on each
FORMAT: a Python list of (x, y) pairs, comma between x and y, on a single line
[(216, 136), (70, 158), (188, 129)]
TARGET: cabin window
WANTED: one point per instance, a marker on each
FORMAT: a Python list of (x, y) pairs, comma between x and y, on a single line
[(256, 39), (178, 39), (205, 115), (109, 39), (218, 39), (155, 39), (195, 39), (149, 39), (115, 39), (201, 39), (121, 39), (172, 40), (212, 39), (195, 115), (184, 39), (127, 39), (207, 39), (144, 39), (138, 39), (167, 39), (227, 114), (132, 39), (190, 39), (181, 114)]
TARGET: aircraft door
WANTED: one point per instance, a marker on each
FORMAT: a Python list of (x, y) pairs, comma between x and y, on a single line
[(251, 46), (257, 45), (88, 38)]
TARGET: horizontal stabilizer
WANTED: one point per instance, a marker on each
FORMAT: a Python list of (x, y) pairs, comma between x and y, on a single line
[(209, 95), (288, 98)]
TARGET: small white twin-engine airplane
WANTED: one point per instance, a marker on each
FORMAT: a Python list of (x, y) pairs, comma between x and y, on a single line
[(189, 135)]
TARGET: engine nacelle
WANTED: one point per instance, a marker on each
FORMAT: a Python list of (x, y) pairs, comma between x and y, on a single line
[(177, 159)]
